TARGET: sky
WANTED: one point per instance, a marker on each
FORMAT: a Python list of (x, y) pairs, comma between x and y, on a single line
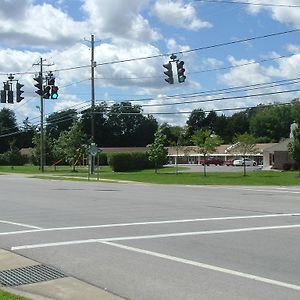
[(235, 54)]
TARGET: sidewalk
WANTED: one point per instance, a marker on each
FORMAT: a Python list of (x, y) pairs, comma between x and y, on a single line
[(67, 288)]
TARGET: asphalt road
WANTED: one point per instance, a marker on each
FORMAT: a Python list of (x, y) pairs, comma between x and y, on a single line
[(143, 241)]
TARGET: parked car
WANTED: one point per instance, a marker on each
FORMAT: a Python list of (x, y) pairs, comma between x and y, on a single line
[(212, 161), (244, 161)]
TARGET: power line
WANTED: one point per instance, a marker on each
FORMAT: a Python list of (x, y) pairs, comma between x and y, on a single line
[(171, 113), (250, 3), (222, 98), (168, 54), (207, 70)]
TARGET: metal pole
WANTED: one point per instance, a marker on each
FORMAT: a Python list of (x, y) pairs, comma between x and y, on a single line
[(42, 120), (93, 98), (93, 87)]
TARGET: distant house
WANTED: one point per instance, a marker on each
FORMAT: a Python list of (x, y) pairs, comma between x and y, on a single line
[(190, 154), (276, 156)]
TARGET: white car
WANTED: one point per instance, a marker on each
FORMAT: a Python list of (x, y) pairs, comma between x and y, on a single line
[(244, 161)]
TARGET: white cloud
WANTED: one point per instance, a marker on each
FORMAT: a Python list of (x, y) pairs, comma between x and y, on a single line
[(24, 24), (178, 14), (120, 20), (250, 74), (288, 15)]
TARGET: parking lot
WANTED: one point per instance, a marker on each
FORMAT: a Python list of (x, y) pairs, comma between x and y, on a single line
[(142, 241)]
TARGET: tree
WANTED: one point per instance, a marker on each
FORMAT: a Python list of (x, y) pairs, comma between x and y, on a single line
[(69, 145), (60, 121), (245, 144), (102, 132), (294, 147), (195, 121), (207, 142), (173, 134), (8, 125), (271, 123), (157, 152), (238, 123), (210, 121), (26, 135), (128, 127)]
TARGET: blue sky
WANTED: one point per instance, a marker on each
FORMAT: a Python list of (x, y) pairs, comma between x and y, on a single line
[(58, 32)]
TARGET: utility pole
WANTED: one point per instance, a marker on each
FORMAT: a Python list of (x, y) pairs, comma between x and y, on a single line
[(42, 122), (42, 138), (93, 64)]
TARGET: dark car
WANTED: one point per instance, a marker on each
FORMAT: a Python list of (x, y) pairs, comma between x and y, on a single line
[(212, 161)]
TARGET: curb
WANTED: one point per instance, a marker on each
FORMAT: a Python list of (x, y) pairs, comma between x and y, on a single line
[(67, 288)]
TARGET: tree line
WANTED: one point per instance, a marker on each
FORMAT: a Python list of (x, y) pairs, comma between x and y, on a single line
[(124, 125)]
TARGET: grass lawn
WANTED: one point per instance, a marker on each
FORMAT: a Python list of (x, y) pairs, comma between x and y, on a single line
[(8, 296), (167, 175)]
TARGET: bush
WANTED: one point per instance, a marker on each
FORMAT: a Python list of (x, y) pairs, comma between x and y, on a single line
[(286, 166), (103, 159), (122, 162), (14, 158), (295, 166)]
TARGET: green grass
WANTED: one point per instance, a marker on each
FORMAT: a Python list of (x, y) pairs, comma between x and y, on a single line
[(167, 175), (8, 296)]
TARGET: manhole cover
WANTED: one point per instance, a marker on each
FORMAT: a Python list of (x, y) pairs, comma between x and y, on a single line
[(26, 275)]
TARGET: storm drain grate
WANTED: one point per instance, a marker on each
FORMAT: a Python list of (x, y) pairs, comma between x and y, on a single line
[(26, 275)]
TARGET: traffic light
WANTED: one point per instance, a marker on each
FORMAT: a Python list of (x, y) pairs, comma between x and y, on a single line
[(54, 92), (19, 92), (180, 71), (169, 73), (3, 96), (47, 92), (39, 85), (4, 93), (10, 97), (51, 81)]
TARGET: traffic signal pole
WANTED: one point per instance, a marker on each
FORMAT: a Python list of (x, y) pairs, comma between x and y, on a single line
[(42, 122), (42, 137), (93, 86)]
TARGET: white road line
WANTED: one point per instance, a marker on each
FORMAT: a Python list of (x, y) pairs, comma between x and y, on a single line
[(20, 224), (273, 190), (206, 266), (154, 236), (149, 223)]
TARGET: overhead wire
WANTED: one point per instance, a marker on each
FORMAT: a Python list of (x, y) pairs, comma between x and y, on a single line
[(172, 113), (222, 44), (207, 93), (250, 3)]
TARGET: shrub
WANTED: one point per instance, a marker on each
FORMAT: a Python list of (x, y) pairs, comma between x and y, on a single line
[(295, 166), (286, 166), (122, 162), (103, 159), (14, 158)]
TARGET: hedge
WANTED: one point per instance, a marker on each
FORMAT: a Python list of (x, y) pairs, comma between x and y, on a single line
[(122, 162)]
